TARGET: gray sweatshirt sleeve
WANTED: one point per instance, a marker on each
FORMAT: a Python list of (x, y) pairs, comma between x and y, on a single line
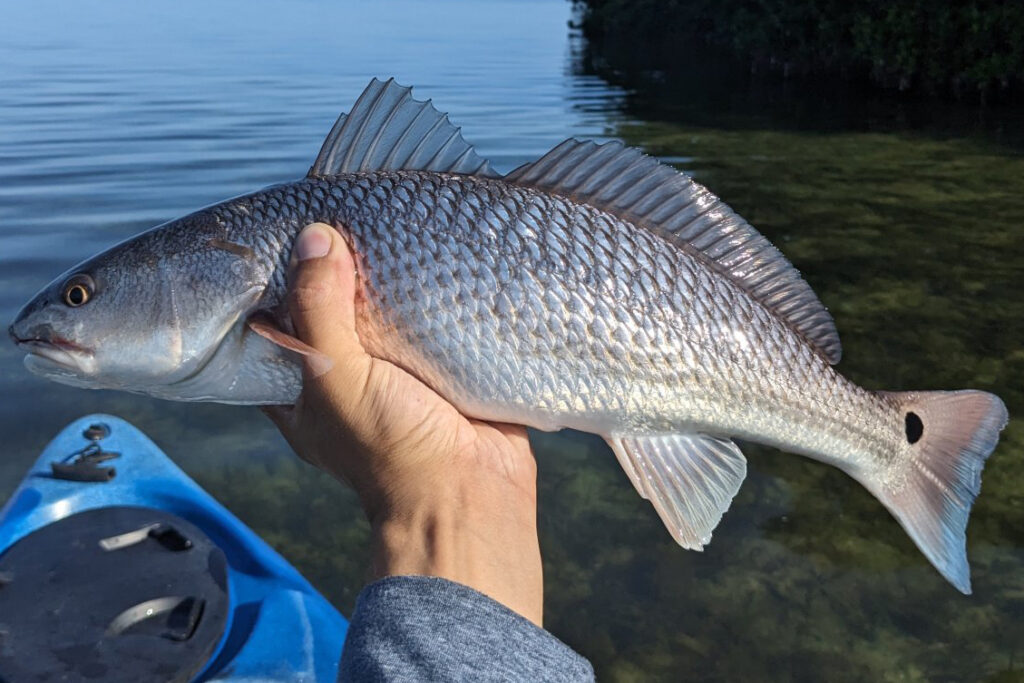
[(422, 628)]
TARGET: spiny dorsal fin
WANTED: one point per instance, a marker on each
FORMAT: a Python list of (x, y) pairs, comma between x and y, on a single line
[(388, 130), (629, 184)]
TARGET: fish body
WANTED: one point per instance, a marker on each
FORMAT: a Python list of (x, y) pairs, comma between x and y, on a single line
[(593, 289), (523, 306)]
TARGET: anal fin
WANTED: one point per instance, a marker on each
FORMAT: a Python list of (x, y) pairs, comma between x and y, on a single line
[(690, 479)]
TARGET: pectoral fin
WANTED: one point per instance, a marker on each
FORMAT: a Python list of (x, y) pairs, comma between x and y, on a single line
[(690, 479), (317, 362)]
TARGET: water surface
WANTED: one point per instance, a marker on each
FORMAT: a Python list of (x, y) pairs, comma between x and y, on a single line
[(128, 115)]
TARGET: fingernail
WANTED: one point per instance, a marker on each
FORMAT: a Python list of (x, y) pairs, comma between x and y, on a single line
[(313, 242)]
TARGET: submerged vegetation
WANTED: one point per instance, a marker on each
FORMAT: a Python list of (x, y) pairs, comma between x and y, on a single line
[(968, 49)]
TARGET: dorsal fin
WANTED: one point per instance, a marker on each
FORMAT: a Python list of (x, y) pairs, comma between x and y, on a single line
[(629, 184), (388, 130)]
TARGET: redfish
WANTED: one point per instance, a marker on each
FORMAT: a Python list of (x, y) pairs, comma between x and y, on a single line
[(593, 289)]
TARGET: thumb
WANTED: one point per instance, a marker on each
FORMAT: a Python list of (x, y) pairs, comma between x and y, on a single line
[(321, 296)]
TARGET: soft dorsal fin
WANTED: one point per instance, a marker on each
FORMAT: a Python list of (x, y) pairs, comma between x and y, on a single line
[(388, 130), (629, 184)]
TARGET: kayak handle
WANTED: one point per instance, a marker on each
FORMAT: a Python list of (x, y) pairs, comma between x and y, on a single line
[(84, 465)]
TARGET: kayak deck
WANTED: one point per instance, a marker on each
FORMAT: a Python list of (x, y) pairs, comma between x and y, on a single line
[(153, 541)]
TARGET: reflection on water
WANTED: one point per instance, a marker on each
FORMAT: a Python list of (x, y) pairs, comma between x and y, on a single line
[(133, 115)]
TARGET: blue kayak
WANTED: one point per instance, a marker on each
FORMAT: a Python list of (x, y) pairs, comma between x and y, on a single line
[(115, 565)]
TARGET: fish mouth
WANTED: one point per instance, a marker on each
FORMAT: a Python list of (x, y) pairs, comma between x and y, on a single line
[(45, 353)]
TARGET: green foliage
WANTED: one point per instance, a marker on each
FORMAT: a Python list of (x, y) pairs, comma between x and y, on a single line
[(966, 48)]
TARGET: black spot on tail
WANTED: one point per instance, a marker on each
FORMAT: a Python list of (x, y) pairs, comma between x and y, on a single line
[(915, 428)]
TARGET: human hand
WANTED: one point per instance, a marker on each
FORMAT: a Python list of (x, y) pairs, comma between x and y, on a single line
[(446, 495)]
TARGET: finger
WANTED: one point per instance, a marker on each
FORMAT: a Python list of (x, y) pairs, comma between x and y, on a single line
[(322, 291)]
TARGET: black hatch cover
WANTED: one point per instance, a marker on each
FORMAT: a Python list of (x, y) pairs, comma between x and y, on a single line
[(113, 594)]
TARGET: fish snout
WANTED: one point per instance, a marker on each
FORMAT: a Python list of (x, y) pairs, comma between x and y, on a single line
[(20, 330), (26, 325), (30, 334)]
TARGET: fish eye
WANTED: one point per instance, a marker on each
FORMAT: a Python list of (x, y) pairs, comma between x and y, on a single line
[(78, 290)]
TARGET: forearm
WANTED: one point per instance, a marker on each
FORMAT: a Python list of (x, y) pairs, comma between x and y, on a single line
[(431, 629)]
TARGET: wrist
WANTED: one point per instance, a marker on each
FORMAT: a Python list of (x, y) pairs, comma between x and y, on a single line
[(415, 541), (488, 544)]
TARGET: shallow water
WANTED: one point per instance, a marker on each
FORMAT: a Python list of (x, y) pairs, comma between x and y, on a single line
[(128, 116)]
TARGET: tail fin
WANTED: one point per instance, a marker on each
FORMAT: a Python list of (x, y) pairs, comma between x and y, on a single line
[(949, 434)]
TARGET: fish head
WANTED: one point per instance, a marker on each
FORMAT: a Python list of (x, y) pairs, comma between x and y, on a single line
[(146, 313)]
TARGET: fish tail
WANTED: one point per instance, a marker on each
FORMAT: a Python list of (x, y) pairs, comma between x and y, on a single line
[(931, 487)]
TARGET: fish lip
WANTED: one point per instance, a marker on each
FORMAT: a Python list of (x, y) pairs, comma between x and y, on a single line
[(55, 349), (53, 342)]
